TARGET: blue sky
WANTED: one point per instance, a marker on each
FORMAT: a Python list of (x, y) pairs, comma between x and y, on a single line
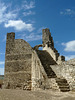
[(27, 18)]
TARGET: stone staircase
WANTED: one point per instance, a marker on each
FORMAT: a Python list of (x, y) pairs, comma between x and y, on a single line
[(63, 85), (46, 61)]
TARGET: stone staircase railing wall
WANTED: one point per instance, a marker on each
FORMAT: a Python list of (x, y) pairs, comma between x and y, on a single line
[(39, 76), (51, 52), (54, 53)]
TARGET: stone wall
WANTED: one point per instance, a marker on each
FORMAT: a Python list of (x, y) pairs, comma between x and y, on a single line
[(48, 45), (39, 76), (17, 63), (66, 70)]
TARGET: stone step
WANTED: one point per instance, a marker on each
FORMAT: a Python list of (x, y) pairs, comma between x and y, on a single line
[(63, 85), (45, 56), (46, 61), (65, 90), (61, 80)]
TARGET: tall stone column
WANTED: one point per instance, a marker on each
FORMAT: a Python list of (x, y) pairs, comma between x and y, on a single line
[(46, 38), (10, 42)]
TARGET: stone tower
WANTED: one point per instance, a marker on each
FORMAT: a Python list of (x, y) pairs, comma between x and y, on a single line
[(47, 38), (48, 45), (10, 42), (17, 63)]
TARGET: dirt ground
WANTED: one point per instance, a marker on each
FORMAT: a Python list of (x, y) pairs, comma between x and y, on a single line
[(35, 95)]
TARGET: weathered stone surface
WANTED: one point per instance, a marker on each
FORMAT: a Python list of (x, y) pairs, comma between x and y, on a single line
[(17, 63), (17, 56), (47, 39), (39, 76), (66, 70), (48, 45), (33, 69)]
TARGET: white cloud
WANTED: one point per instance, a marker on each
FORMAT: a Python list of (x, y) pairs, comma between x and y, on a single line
[(2, 62), (2, 53), (57, 42), (31, 37), (30, 21), (69, 12), (69, 57), (69, 46), (4, 39), (28, 5), (61, 13), (6, 14), (19, 25), (9, 17), (1, 71), (28, 13)]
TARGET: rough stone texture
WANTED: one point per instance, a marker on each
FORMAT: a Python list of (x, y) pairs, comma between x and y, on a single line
[(60, 59), (39, 76), (66, 70), (33, 69), (53, 80), (48, 45), (46, 61), (47, 39), (17, 63)]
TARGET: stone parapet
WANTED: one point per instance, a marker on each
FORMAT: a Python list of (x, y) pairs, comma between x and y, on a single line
[(39, 76)]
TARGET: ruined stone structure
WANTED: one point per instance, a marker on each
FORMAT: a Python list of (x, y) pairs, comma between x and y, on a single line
[(31, 69)]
